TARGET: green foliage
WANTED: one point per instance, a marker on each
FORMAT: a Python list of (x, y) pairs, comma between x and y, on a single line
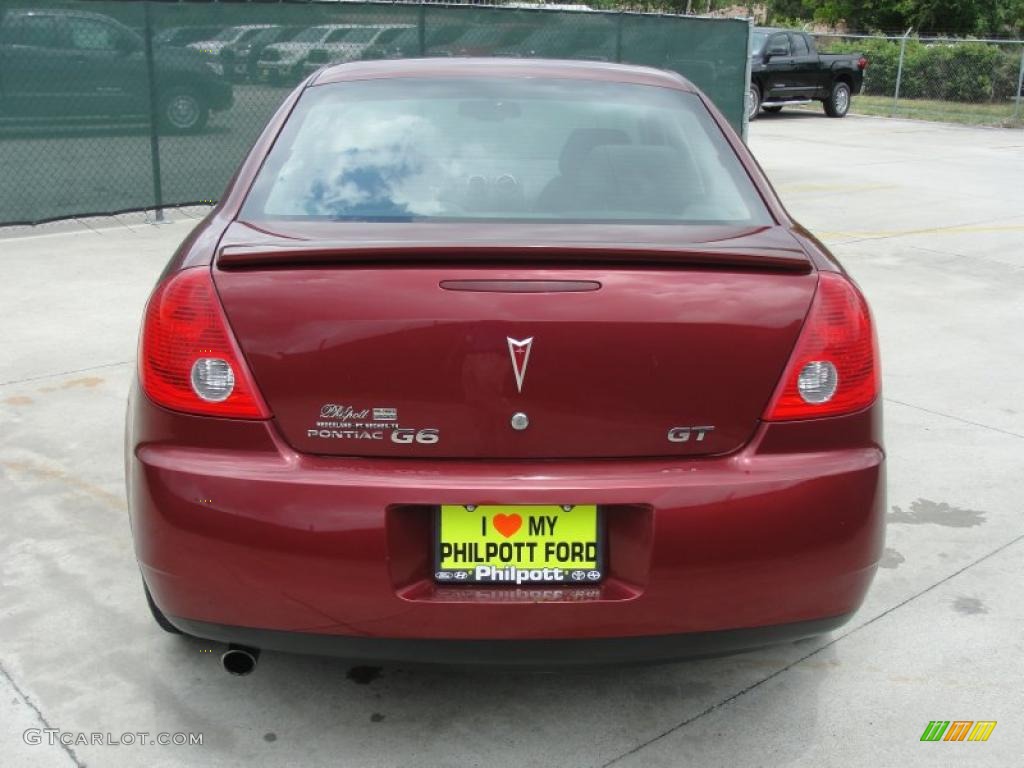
[(785, 22), (949, 17), (961, 71), (860, 14), (781, 13), (953, 17), (883, 57)]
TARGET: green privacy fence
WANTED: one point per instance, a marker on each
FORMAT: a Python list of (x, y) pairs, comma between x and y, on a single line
[(115, 106)]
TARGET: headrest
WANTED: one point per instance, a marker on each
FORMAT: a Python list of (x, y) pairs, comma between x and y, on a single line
[(647, 179), (580, 143)]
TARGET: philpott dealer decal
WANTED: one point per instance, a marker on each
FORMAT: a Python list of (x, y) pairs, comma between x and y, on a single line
[(348, 422)]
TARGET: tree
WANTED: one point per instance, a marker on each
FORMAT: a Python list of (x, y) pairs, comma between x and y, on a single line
[(787, 9), (948, 17), (882, 15), (951, 17)]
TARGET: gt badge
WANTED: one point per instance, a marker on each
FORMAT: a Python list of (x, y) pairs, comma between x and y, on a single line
[(520, 352), (682, 434)]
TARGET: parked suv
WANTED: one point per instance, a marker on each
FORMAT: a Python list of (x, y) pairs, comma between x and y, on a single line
[(64, 63), (185, 35), (241, 60), (351, 44), (285, 61), (229, 36)]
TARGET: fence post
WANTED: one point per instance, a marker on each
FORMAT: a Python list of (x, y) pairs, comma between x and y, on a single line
[(1020, 84), (154, 120), (745, 122), (618, 38), (423, 28), (899, 71)]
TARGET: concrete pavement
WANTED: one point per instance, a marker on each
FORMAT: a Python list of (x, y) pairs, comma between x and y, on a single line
[(926, 217)]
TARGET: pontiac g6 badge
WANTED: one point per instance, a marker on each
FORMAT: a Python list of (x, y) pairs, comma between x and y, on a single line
[(348, 422), (520, 352)]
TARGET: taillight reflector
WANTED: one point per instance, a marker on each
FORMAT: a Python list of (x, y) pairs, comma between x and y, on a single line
[(834, 368), (188, 358)]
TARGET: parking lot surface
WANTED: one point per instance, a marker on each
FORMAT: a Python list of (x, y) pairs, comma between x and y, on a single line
[(926, 217)]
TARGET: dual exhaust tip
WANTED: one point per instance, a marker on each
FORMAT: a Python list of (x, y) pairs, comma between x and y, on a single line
[(240, 660)]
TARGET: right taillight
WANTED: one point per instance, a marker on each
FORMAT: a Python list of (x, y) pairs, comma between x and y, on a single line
[(834, 368), (862, 63)]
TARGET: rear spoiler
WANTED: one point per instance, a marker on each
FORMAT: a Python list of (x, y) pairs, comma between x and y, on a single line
[(397, 254)]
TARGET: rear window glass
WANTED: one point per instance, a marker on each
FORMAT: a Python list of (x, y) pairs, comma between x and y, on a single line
[(229, 35), (360, 34), (799, 45), (38, 31), (311, 35), (503, 149)]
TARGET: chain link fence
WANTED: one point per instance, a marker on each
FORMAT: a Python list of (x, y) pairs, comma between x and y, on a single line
[(114, 106), (946, 79)]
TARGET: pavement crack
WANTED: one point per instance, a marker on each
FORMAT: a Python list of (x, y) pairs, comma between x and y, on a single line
[(63, 373), (954, 418), (39, 713), (815, 652)]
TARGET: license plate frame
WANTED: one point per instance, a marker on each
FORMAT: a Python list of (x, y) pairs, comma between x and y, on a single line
[(591, 572)]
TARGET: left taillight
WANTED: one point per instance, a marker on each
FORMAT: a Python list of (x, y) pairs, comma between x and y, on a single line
[(188, 358)]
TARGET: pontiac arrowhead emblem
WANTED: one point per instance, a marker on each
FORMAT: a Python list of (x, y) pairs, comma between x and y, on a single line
[(520, 352)]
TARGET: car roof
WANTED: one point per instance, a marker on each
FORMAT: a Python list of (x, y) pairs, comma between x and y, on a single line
[(66, 12), (501, 67), (331, 26)]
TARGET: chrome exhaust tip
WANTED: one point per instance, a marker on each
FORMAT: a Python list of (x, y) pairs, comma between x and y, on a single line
[(240, 659)]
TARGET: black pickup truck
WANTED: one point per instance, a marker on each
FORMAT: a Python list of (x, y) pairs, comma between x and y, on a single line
[(786, 69)]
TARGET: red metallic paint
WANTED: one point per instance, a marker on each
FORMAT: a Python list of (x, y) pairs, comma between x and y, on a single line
[(233, 526), (611, 371)]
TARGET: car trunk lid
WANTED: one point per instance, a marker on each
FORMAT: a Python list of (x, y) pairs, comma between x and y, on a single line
[(475, 347)]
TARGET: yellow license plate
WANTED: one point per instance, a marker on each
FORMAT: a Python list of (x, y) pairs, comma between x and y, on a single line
[(518, 544)]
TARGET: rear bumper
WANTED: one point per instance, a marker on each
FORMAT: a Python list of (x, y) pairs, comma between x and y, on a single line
[(242, 539), (516, 653)]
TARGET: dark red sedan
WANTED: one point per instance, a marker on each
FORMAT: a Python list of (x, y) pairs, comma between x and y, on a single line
[(503, 361)]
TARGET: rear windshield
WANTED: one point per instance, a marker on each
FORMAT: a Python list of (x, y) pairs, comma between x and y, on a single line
[(526, 149)]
